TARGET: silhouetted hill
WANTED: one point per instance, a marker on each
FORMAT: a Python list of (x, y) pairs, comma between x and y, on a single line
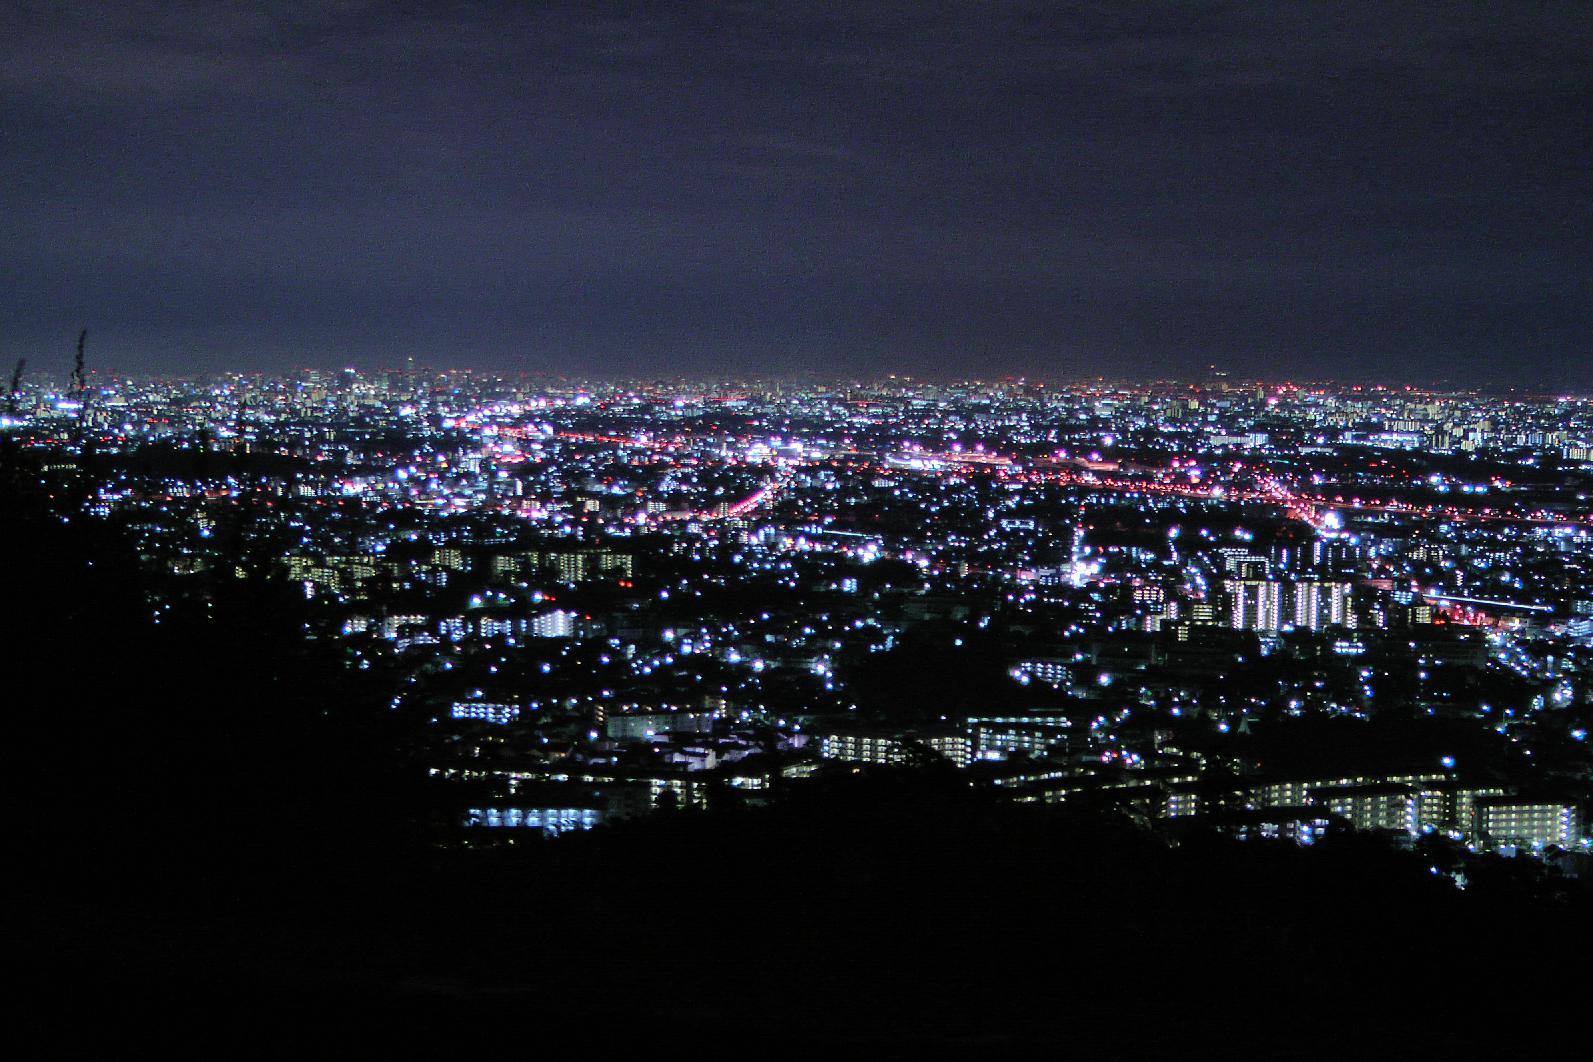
[(218, 819)]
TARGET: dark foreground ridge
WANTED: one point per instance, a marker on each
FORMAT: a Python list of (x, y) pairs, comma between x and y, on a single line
[(217, 823)]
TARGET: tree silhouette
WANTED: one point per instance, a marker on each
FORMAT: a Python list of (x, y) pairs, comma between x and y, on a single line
[(79, 379), (16, 385)]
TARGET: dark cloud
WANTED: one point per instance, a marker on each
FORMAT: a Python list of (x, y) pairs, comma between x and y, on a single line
[(1367, 189)]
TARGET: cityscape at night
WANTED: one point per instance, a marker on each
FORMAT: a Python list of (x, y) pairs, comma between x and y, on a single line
[(1002, 524), (1267, 613)]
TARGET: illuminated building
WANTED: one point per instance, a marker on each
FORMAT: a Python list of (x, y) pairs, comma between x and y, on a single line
[(1500, 821), (1385, 808)]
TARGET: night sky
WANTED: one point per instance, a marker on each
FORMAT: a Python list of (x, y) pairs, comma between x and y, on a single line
[(1380, 191)]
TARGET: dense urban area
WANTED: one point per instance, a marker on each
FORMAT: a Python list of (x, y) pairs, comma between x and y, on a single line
[(1270, 611), (1131, 672)]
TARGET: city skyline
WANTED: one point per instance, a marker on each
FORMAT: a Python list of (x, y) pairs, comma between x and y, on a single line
[(53, 371)]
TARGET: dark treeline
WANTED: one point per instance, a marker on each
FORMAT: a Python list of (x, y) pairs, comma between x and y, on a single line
[(219, 816)]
